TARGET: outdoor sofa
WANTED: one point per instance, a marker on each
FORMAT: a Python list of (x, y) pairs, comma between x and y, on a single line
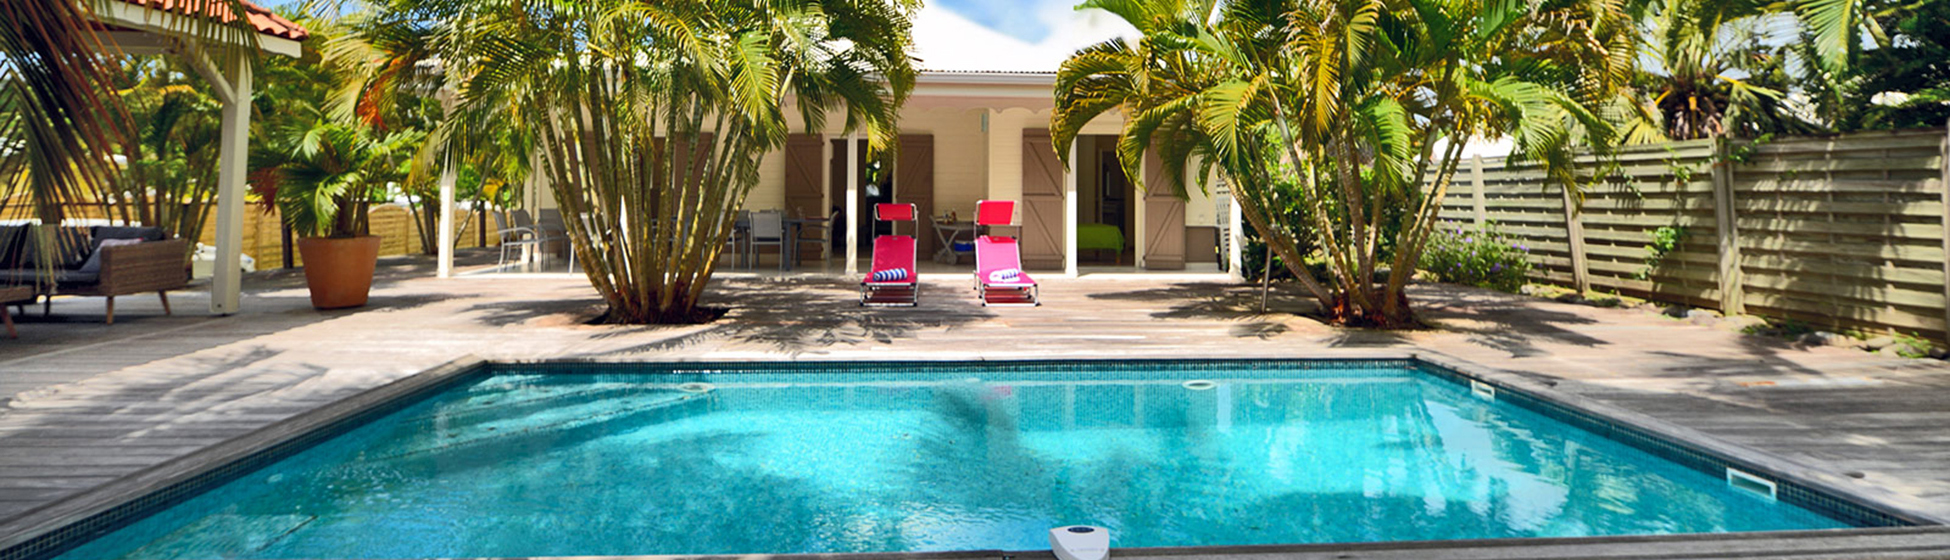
[(139, 260)]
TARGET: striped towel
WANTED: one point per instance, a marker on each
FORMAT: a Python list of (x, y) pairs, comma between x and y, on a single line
[(1005, 275), (890, 275)]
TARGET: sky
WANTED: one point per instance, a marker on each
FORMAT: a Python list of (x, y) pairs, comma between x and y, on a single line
[(1020, 35)]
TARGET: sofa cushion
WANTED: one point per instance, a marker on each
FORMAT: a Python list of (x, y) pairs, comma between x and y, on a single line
[(71, 248), (10, 244), (64, 277), (144, 233), (94, 262)]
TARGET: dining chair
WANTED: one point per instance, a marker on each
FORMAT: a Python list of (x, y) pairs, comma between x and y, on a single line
[(768, 228)]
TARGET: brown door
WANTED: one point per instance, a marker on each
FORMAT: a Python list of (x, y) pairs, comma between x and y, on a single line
[(802, 182), (1042, 202), (914, 183), (1164, 219)]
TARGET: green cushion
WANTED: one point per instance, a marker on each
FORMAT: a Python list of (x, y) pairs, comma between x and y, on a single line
[(1099, 236)]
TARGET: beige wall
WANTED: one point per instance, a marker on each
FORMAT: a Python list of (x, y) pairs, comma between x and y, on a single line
[(961, 172)]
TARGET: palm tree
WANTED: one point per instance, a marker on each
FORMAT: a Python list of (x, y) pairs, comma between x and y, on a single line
[(1718, 68), (1360, 102), (60, 122), (650, 117), (172, 163)]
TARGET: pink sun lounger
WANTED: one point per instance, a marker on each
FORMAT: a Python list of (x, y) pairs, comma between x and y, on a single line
[(999, 279), (893, 281)]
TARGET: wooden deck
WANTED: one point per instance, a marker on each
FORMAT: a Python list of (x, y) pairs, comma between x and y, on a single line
[(82, 404)]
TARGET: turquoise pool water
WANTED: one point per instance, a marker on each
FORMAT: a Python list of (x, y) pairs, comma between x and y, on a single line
[(534, 464)]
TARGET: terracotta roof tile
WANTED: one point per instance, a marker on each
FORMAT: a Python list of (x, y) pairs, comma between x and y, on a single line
[(261, 18)]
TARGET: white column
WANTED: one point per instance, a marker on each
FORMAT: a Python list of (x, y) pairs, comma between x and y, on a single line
[(226, 283), (852, 204), (449, 175), (1070, 216), (1236, 242), (1137, 226)]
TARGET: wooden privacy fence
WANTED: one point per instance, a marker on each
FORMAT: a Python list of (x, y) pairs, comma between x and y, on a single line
[(399, 233), (1841, 232), (263, 238)]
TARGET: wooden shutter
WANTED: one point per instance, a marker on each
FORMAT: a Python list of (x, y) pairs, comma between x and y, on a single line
[(803, 181), (1164, 219), (914, 183), (1042, 202)]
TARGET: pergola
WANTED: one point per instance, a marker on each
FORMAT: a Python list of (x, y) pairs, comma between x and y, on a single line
[(157, 27)]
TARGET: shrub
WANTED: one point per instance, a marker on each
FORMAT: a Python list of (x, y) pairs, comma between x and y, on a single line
[(1477, 256)]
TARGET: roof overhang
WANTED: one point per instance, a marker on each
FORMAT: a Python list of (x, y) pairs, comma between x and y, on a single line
[(140, 29), (1034, 91)]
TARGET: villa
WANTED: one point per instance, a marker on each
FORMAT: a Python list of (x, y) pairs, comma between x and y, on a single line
[(968, 136)]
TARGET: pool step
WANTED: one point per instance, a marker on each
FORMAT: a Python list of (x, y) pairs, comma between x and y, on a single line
[(502, 404), (560, 427)]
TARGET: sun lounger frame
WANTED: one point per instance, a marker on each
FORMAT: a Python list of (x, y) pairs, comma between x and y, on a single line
[(902, 293)]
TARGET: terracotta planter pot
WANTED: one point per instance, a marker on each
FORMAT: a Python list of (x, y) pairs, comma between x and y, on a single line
[(339, 270)]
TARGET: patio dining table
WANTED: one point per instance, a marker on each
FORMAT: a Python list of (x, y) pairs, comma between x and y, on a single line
[(949, 233)]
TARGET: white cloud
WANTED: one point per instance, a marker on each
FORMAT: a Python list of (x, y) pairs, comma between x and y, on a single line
[(947, 41)]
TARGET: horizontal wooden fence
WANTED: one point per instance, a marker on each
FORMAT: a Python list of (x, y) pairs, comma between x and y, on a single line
[(1840, 232), (399, 233)]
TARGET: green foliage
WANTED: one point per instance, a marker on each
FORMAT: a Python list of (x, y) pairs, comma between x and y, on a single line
[(1350, 110), (1905, 84), (1665, 240), (1483, 257), (1911, 346), (172, 164), (337, 173), (58, 124), (1719, 68)]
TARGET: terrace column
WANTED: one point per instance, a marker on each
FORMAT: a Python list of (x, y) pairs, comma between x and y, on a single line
[(449, 175), (853, 205), (234, 90), (1236, 239), (1070, 216)]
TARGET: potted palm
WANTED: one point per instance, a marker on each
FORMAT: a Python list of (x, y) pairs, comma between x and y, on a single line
[(324, 191)]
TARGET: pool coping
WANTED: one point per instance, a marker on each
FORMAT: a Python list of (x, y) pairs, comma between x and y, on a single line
[(31, 535)]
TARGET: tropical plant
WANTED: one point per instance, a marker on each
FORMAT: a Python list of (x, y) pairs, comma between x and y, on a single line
[(650, 117), (1719, 68), (60, 122), (172, 162), (1905, 84), (1480, 256), (328, 185), (1364, 101)]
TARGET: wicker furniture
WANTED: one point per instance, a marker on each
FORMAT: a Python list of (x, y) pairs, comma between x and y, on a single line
[(154, 265), (8, 296)]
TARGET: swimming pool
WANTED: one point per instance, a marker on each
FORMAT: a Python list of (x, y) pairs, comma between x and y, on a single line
[(559, 460)]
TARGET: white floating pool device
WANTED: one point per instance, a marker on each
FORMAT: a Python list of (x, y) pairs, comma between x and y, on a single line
[(1080, 542)]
